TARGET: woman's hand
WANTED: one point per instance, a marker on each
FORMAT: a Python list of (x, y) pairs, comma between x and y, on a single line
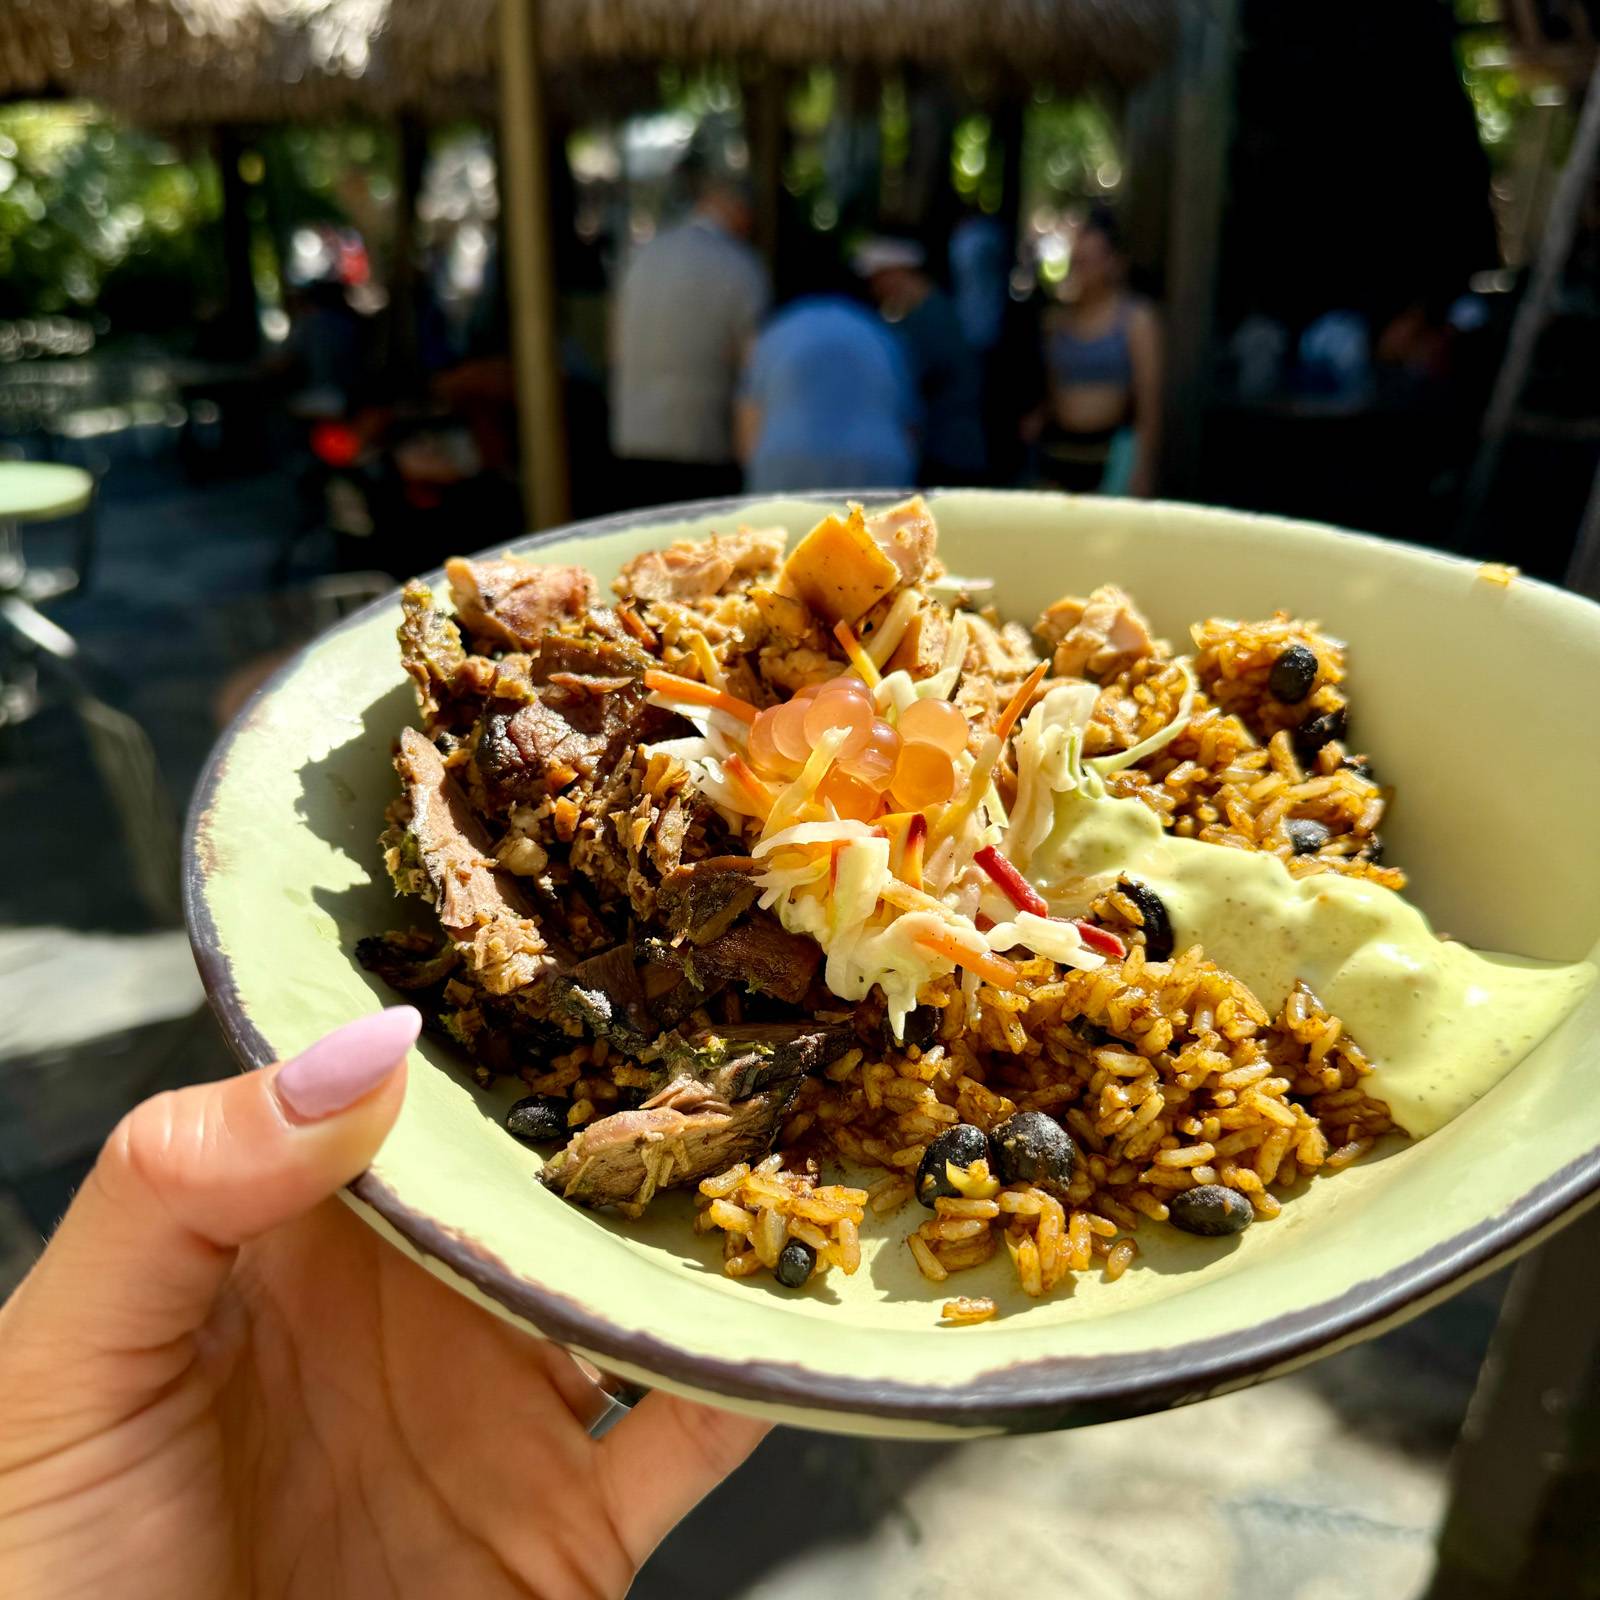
[(217, 1381)]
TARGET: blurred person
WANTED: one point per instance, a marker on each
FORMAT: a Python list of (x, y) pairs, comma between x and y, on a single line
[(1099, 427), (827, 399), (218, 1381), (689, 302), (326, 352), (980, 277), (981, 258), (944, 367)]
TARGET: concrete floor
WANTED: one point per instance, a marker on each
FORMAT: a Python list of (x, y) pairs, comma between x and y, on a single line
[(1324, 1485)]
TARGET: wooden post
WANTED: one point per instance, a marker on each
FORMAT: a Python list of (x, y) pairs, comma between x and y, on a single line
[(1202, 125), (241, 328), (525, 225), (765, 125)]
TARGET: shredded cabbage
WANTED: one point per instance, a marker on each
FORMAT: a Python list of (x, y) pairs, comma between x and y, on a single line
[(1048, 755), (1159, 740), (830, 832), (1045, 936)]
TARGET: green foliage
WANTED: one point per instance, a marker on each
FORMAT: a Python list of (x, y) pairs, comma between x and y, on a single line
[(975, 166), (92, 214), (1071, 152)]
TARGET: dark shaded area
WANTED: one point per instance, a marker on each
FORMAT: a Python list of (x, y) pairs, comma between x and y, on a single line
[(1357, 179)]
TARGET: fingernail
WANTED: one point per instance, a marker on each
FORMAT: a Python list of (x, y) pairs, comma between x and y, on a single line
[(347, 1063)]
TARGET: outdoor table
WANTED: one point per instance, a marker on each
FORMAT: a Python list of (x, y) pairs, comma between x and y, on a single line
[(36, 491)]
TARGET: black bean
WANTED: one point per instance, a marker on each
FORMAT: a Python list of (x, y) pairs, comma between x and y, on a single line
[(796, 1262), (1361, 766), (1157, 924), (1211, 1210), (1029, 1147), (1305, 836), (539, 1119), (922, 1027), (1372, 851), (957, 1147), (1292, 675), (1310, 736)]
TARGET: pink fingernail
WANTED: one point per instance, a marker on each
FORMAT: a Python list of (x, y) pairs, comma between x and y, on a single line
[(347, 1063)]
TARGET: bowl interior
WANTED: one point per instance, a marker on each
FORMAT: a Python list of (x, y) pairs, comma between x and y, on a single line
[(1468, 695)]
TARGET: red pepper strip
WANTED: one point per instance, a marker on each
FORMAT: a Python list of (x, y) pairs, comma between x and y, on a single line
[(1010, 882), (911, 856), (1097, 938)]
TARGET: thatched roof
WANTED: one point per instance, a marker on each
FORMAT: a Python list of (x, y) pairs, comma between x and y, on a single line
[(1069, 42), (260, 60)]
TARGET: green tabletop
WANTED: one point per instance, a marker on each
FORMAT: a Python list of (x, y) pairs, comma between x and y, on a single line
[(33, 490)]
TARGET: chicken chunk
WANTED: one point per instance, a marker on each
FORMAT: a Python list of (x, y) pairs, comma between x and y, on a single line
[(698, 569), (1096, 637), (513, 604)]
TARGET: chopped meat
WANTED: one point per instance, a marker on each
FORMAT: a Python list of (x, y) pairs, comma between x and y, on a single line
[(704, 898), (430, 647), (790, 668), (760, 954), (787, 620), (568, 732), (480, 905), (908, 536), (408, 961), (1005, 653), (1097, 637), (697, 569), (585, 655), (921, 648), (622, 1160), (735, 1062), (606, 995), (514, 603)]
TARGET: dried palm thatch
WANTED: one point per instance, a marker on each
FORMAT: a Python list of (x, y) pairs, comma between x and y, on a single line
[(1069, 42), (257, 60)]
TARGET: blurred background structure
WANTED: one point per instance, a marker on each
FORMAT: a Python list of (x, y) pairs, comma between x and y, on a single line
[(299, 296)]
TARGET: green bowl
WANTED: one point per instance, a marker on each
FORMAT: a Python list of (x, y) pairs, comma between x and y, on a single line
[(1476, 699)]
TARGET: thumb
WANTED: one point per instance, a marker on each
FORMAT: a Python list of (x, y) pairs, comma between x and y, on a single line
[(183, 1181)]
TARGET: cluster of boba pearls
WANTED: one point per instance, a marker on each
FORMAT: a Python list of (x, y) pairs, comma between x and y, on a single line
[(905, 767)]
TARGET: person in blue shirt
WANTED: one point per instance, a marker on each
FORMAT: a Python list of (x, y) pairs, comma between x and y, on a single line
[(827, 399), (944, 368)]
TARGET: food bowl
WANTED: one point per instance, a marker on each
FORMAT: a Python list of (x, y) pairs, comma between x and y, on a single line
[(1472, 689)]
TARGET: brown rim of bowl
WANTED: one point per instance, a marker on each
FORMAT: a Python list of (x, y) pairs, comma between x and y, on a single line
[(1032, 1395)]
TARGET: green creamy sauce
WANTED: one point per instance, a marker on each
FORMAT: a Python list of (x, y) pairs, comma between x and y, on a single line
[(1441, 1023)]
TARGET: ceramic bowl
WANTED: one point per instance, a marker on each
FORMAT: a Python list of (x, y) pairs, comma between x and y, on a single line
[(1475, 698)]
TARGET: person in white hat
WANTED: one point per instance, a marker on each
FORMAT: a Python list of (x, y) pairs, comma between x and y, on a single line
[(943, 365)]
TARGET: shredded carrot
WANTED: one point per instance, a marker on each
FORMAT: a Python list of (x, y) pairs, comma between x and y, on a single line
[(635, 625), (698, 694), (954, 815), (859, 659), (991, 968), (753, 789), (1019, 703), (902, 895)]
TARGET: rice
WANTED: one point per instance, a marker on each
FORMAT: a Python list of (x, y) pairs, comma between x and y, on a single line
[(1200, 1085), (759, 1209), (1233, 775)]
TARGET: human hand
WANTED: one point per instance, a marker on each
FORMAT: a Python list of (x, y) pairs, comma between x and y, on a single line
[(217, 1381)]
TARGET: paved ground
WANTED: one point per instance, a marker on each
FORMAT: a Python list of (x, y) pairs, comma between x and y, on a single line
[(1323, 1486)]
